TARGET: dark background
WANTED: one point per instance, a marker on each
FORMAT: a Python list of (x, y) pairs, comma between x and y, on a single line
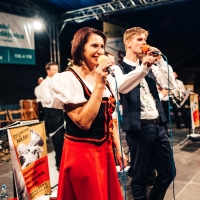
[(174, 28)]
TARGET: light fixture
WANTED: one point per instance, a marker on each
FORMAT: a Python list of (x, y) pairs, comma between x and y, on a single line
[(37, 24)]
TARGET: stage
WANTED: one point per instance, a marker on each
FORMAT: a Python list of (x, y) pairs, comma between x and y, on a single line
[(187, 159)]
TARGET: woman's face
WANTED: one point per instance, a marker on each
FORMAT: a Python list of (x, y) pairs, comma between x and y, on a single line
[(93, 48)]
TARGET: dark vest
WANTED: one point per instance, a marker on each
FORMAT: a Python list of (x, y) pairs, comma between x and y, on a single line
[(101, 127), (131, 101)]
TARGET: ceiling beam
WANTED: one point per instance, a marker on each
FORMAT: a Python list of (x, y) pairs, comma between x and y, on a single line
[(114, 21), (109, 8), (25, 8), (13, 9)]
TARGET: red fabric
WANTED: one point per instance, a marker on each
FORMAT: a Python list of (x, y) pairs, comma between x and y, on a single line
[(88, 172)]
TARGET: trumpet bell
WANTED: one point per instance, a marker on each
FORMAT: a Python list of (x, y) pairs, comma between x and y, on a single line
[(35, 139)]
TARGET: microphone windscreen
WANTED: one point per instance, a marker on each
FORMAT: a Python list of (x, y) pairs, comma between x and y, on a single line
[(101, 58), (145, 48)]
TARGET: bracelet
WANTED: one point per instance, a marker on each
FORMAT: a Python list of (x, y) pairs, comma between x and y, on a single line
[(119, 149)]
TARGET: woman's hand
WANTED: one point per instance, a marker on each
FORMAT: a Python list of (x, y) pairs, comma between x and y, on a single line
[(101, 71), (123, 161)]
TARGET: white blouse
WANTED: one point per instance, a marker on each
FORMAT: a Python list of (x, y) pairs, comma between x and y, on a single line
[(67, 89)]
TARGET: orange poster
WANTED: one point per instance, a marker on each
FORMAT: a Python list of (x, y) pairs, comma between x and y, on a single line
[(194, 107), (29, 160)]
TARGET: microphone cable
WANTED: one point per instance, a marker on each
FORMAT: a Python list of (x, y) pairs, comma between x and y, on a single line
[(170, 128), (120, 137)]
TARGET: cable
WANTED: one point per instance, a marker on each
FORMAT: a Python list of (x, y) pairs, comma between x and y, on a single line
[(170, 128), (120, 137)]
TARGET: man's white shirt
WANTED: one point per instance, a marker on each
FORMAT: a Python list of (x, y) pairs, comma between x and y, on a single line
[(46, 93), (38, 94), (179, 90), (126, 82)]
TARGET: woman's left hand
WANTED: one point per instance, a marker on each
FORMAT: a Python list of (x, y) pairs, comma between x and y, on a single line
[(122, 160), (102, 70)]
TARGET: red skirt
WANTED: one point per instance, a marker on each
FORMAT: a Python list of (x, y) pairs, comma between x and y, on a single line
[(88, 172)]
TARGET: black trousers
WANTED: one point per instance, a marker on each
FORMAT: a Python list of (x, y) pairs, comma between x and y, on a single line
[(41, 111), (54, 119), (184, 115), (151, 142), (165, 106)]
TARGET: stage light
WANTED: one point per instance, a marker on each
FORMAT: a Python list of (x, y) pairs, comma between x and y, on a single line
[(37, 24)]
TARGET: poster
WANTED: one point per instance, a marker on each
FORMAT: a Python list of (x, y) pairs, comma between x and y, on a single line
[(194, 107), (29, 159), (17, 45)]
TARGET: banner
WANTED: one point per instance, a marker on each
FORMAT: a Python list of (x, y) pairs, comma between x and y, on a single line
[(29, 160), (194, 107), (17, 44), (116, 47)]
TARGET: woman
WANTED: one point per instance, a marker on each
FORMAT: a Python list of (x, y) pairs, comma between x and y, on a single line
[(88, 169)]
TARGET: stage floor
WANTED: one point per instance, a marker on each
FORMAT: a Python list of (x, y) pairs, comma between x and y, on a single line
[(185, 186)]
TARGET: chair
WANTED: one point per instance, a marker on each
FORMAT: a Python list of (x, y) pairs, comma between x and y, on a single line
[(17, 115), (29, 106), (4, 118), (35, 106)]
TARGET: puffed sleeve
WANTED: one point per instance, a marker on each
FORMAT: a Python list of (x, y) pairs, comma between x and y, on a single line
[(67, 89)]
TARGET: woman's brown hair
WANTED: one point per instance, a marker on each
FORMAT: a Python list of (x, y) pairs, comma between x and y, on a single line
[(78, 42)]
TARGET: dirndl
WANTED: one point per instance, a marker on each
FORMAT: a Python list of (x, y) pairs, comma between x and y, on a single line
[(88, 172)]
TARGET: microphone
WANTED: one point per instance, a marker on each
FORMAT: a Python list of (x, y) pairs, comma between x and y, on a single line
[(101, 58), (146, 47)]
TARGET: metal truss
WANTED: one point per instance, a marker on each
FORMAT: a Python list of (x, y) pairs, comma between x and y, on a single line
[(25, 8), (108, 9), (114, 21), (4, 7)]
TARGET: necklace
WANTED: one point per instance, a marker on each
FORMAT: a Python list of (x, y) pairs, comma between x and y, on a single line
[(92, 77)]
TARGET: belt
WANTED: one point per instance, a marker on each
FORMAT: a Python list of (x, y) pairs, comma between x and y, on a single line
[(150, 121)]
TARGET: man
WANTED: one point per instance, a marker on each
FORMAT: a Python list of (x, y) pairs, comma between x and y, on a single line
[(53, 117), (179, 92), (143, 115), (38, 95)]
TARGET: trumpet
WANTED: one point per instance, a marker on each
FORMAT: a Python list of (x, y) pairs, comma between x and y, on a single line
[(179, 102), (174, 100), (178, 94)]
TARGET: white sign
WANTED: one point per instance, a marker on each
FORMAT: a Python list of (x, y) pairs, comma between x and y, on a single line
[(16, 39)]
